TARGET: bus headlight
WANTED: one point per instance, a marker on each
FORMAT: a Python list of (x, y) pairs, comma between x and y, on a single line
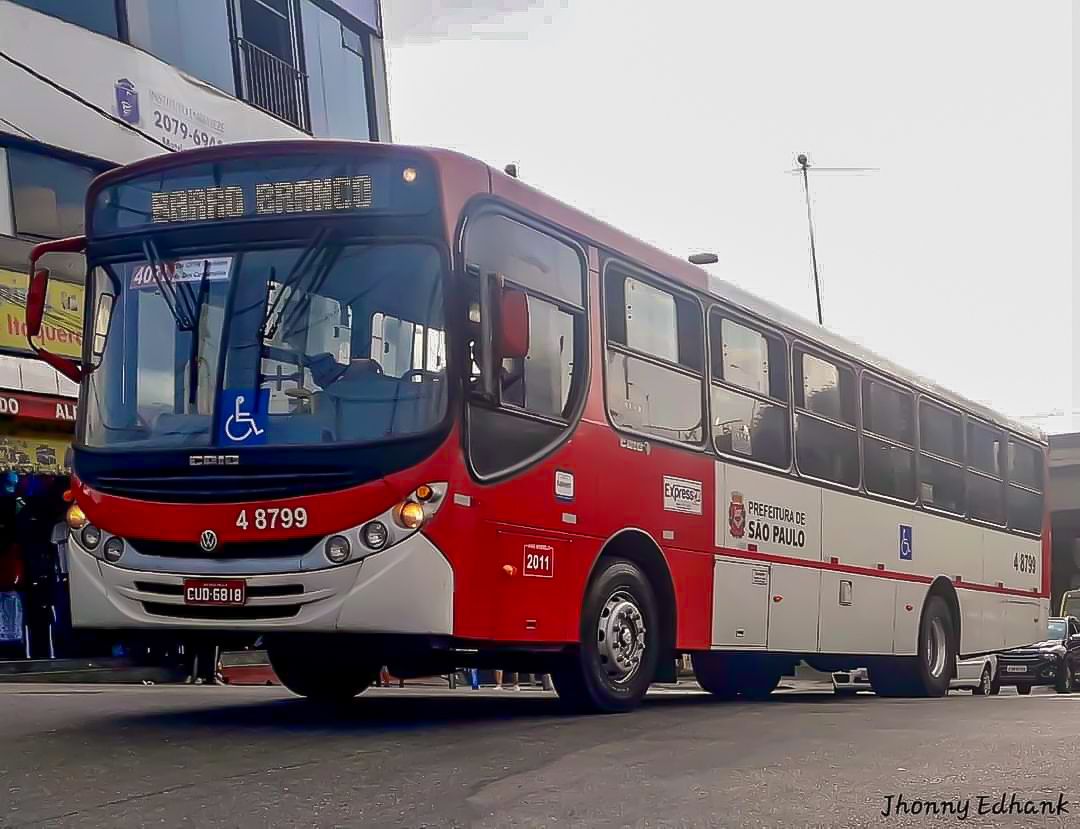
[(114, 549), (375, 534), (90, 536), (337, 549)]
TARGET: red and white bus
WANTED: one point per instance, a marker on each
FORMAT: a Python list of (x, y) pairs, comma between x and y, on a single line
[(386, 405)]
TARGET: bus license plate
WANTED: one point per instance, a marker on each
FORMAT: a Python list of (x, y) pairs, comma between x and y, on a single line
[(1015, 669), (215, 592)]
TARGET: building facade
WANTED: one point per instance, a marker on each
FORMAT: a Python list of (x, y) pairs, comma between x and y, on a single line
[(94, 83)]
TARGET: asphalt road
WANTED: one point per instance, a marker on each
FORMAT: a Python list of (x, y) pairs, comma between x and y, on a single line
[(200, 756)]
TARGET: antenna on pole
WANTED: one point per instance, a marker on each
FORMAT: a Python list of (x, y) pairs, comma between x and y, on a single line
[(804, 164), (804, 170)]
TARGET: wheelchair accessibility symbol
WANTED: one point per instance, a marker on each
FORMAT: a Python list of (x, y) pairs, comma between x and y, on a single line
[(246, 421), (905, 543)]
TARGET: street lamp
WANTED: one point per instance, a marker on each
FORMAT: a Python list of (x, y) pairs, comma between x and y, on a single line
[(703, 258)]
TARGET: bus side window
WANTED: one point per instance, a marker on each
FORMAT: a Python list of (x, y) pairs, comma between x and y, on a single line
[(826, 414), (749, 392), (941, 458), (888, 414), (655, 359), (537, 391)]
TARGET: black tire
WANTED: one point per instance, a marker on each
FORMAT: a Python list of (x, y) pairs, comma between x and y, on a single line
[(1065, 681), (929, 673), (599, 676), (1023, 690), (983, 689), (995, 684), (317, 674), (715, 673), (759, 684)]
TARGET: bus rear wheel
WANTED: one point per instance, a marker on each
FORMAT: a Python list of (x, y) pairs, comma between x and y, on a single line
[(315, 673), (612, 668), (929, 673), (715, 672)]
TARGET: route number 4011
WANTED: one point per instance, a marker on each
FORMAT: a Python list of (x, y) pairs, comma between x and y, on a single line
[(272, 518), (1024, 563)]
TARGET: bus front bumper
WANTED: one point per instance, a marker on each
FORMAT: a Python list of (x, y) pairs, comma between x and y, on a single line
[(407, 588)]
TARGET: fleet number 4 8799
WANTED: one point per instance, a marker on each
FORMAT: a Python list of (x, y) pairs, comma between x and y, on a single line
[(273, 517)]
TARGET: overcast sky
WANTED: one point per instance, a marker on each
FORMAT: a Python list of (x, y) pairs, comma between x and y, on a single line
[(677, 122)]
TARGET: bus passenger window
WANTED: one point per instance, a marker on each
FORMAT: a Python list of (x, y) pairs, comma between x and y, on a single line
[(826, 439), (655, 359), (749, 393), (888, 440), (941, 458), (1024, 501), (985, 483)]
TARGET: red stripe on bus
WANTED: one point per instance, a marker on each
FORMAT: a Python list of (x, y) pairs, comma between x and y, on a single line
[(896, 575)]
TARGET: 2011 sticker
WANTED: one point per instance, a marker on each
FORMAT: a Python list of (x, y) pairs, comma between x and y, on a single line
[(539, 561)]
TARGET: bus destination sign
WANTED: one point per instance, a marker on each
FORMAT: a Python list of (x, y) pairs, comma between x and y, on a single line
[(202, 204), (242, 189)]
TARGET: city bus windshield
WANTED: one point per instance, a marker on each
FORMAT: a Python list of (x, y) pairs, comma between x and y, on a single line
[(304, 345)]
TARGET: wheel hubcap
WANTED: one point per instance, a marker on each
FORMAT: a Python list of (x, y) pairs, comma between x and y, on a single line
[(986, 682), (936, 648), (620, 637)]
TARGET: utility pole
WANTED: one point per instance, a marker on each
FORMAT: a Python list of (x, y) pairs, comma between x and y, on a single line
[(804, 164)]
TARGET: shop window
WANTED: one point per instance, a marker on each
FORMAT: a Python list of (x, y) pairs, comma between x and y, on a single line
[(192, 35), (96, 15), (338, 76), (270, 74), (48, 193)]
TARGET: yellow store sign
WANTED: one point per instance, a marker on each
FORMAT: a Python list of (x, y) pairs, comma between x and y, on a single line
[(61, 330)]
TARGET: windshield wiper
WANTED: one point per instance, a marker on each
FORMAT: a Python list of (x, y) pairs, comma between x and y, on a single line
[(166, 286), (193, 354), (303, 262)]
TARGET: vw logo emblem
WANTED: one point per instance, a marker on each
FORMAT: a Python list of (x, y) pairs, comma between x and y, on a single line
[(208, 540)]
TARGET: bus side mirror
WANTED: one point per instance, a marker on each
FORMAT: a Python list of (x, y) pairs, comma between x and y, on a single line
[(37, 299), (513, 324)]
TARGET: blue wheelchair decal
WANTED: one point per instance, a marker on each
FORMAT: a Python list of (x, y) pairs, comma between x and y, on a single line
[(246, 412), (905, 543)]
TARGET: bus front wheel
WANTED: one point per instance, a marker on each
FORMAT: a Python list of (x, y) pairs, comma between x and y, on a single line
[(612, 667), (319, 673)]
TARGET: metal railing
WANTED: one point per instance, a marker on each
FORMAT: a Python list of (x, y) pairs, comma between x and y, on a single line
[(273, 85)]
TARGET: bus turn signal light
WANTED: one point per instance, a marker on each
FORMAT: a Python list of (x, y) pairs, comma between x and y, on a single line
[(410, 515), (76, 518), (424, 493)]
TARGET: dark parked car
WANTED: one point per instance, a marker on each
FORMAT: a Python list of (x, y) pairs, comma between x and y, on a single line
[(1053, 662)]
